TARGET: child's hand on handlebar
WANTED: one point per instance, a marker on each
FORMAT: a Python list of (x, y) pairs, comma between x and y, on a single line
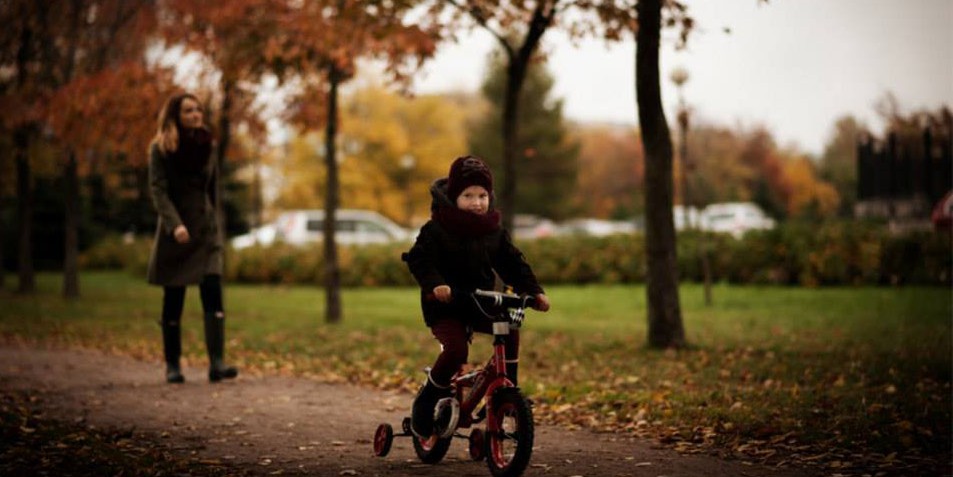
[(542, 303), (442, 293)]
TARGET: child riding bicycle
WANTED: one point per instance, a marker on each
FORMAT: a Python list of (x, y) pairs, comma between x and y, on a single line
[(457, 251)]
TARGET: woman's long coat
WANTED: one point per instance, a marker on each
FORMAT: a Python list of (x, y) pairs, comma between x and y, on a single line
[(184, 196)]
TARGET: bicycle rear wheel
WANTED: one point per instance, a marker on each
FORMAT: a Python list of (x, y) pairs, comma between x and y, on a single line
[(508, 451)]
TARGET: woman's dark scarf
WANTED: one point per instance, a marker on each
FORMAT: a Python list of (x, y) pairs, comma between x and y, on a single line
[(194, 151)]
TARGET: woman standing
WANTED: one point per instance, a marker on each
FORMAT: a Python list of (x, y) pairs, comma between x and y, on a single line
[(188, 242)]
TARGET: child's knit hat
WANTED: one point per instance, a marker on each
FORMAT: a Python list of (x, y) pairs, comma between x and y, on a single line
[(467, 171)]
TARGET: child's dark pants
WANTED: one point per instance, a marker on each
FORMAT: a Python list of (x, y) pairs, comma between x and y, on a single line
[(455, 340)]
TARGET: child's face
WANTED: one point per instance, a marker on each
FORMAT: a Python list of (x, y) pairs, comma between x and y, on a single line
[(475, 199)]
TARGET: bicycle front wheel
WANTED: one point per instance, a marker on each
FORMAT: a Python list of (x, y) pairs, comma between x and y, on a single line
[(432, 449), (509, 449)]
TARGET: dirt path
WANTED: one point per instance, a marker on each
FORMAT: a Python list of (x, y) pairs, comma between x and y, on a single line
[(287, 426)]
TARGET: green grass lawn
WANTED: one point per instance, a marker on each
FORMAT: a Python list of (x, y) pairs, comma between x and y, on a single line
[(863, 370)]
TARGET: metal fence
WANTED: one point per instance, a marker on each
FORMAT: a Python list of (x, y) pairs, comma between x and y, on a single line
[(904, 173)]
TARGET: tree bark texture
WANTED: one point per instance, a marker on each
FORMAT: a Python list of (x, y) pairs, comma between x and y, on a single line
[(21, 144), (224, 140), (332, 272), (664, 313), (71, 228), (517, 66), (25, 272)]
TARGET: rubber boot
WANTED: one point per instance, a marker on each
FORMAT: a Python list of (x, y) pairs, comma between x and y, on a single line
[(421, 416), (172, 348), (215, 343)]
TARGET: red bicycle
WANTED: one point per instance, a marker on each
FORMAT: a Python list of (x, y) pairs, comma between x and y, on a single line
[(507, 441)]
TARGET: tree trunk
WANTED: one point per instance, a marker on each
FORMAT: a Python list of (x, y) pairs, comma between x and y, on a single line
[(70, 175), (664, 313), (517, 66), (225, 138), (24, 212), (21, 145), (516, 73), (332, 274), (3, 274), (71, 228), (257, 202)]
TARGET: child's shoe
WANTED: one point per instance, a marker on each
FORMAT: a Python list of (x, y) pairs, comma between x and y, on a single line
[(421, 416)]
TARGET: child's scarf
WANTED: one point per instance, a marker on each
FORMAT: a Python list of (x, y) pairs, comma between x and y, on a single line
[(465, 223)]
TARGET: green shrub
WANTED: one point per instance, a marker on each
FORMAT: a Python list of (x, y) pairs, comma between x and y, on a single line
[(118, 252), (836, 253)]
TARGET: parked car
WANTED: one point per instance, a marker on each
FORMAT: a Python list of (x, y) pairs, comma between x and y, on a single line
[(942, 215), (595, 227), (526, 226), (264, 235), (694, 217), (299, 227), (735, 218)]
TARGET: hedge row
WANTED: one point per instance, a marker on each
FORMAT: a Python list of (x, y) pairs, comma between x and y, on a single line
[(793, 254)]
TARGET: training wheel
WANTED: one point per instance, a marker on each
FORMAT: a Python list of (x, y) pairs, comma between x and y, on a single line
[(383, 439), (476, 444)]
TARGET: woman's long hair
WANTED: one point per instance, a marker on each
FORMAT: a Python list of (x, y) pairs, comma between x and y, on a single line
[(167, 134)]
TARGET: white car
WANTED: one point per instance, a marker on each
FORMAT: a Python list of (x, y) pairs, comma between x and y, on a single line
[(300, 227), (263, 235), (694, 217), (735, 218), (527, 226), (596, 227)]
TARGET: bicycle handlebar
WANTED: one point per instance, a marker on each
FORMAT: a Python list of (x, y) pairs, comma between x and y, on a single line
[(507, 300)]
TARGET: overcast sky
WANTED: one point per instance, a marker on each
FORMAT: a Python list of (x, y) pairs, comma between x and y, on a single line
[(794, 66)]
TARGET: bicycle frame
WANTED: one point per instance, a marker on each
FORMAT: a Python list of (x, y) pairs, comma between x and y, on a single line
[(484, 382), (507, 448)]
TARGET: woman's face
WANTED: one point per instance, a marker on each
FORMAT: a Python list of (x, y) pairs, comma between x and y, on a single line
[(475, 199), (190, 114)]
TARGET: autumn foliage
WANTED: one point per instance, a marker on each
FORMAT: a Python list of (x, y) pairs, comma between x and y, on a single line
[(114, 97)]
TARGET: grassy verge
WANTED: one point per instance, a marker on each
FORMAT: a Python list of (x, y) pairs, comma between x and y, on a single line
[(853, 379)]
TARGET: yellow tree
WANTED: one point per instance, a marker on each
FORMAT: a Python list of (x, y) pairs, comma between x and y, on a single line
[(394, 146), (318, 42), (403, 143), (299, 177), (810, 197)]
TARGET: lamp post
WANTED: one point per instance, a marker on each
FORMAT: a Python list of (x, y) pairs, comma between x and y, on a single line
[(407, 164), (679, 76)]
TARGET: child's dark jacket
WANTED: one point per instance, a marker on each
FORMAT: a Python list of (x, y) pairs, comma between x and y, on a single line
[(463, 260)]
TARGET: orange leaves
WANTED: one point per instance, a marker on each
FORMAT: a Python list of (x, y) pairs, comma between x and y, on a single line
[(111, 110), (59, 55)]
